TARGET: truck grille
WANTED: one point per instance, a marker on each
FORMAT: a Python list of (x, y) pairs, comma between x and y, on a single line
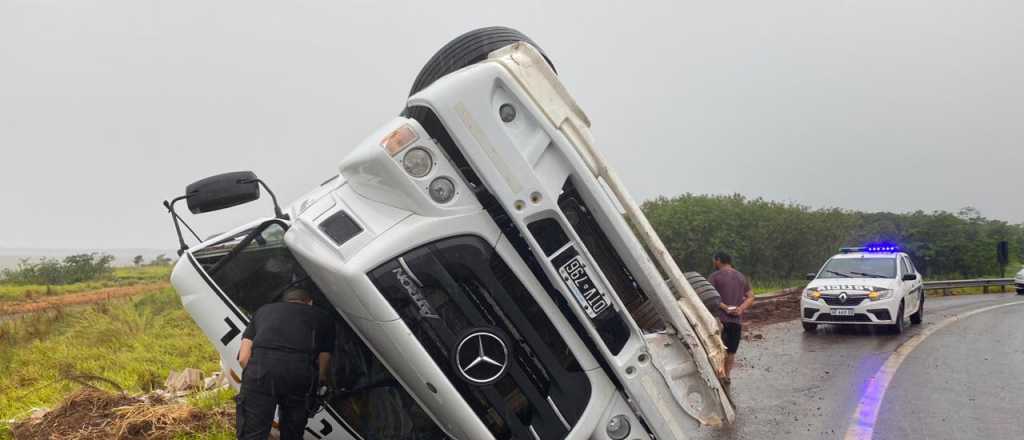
[(453, 289)]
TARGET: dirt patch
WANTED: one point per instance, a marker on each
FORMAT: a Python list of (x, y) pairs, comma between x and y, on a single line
[(777, 308), (91, 414), (17, 308)]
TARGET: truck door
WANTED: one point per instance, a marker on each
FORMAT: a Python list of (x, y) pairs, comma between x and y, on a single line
[(223, 283)]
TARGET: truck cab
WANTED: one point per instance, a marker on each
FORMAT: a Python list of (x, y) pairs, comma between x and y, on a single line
[(489, 276)]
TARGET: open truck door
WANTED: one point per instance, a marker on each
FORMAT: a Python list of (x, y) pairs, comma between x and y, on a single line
[(224, 281)]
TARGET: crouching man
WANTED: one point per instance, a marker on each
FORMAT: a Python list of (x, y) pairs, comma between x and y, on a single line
[(285, 350)]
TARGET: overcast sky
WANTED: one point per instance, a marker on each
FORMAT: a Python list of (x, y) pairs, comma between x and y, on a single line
[(109, 107)]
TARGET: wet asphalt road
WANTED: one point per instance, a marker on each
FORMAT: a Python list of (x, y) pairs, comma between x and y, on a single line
[(964, 381)]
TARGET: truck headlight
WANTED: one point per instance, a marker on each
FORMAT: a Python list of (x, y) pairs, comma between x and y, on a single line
[(417, 162), (812, 294), (442, 190), (878, 294), (618, 427)]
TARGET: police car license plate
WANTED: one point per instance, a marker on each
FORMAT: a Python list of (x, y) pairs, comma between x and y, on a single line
[(577, 279), (842, 312)]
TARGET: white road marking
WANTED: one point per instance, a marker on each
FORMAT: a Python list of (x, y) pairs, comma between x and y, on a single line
[(862, 422)]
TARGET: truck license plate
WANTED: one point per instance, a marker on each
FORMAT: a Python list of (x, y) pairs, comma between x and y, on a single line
[(842, 312), (574, 274)]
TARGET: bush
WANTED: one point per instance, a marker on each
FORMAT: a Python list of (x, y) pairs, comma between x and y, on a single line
[(48, 271)]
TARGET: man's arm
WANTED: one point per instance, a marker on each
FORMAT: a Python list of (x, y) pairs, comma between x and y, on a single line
[(249, 335), (323, 361), (747, 302), (245, 352), (327, 339)]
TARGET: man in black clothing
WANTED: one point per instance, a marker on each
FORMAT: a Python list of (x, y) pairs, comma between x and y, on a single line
[(284, 350)]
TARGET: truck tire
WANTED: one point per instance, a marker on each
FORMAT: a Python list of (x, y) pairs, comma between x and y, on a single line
[(705, 291), (647, 317), (468, 49)]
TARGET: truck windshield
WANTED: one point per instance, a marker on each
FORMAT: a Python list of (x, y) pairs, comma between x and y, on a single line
[(859, 268), (253, 268)]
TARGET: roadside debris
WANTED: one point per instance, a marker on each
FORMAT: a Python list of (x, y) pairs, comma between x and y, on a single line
[(92, 413), (780, 307)]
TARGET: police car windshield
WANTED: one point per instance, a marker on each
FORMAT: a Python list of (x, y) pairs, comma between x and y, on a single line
[(859, 268)]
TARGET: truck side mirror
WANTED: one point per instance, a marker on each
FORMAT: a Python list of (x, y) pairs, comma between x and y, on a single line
[(909, 276), (811, 276), (222, 191)]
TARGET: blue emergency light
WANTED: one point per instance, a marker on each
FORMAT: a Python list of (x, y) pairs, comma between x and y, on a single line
[(872, 247)]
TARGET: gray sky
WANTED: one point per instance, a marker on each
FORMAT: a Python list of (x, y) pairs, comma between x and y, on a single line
[(109, 107)]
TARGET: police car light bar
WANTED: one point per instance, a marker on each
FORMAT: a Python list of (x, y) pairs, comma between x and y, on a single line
[(881, 247)]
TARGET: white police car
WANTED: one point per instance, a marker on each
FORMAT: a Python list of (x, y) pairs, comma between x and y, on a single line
[(874, 285)]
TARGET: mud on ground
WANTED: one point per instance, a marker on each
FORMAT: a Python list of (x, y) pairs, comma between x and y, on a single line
[(776, 308), (23, 307)]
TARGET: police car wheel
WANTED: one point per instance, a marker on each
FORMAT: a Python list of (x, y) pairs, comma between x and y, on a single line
[(898, 327), (810, 327), (918, 316)]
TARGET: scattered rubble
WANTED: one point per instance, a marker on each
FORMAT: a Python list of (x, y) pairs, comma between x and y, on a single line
[(91, 413), (770, 309)]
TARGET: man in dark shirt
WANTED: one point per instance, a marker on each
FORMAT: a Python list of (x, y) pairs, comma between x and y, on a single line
[(285, 348), (737, 296)]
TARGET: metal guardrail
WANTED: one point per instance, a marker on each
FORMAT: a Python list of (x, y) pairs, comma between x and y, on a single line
[(984, 283)]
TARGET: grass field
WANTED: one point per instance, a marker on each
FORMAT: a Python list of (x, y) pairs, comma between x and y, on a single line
[(128, 344), (122, 276)]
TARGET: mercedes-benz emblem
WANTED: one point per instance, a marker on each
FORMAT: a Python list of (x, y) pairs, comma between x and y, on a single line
[(842, 297), (481, 357)]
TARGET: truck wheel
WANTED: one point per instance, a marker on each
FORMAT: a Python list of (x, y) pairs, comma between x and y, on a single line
[(918, 316), (898, 327), (467, 49), (705, 291), (810, 327)]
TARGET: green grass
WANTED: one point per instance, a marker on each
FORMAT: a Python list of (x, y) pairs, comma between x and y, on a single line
[(142, 274), (128, 344), (122, 276), (764, 287)]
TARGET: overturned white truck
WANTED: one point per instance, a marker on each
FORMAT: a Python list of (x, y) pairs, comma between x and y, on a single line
[(481, 223)]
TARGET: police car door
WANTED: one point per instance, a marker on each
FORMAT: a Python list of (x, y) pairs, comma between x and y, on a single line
[(912, 287), (224, 280)]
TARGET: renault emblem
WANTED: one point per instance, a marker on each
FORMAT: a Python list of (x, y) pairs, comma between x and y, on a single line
[(842, 297), (482, 357)]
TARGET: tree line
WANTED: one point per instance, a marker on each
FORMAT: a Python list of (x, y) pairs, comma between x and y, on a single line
[(51, 271), (782, 241)]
